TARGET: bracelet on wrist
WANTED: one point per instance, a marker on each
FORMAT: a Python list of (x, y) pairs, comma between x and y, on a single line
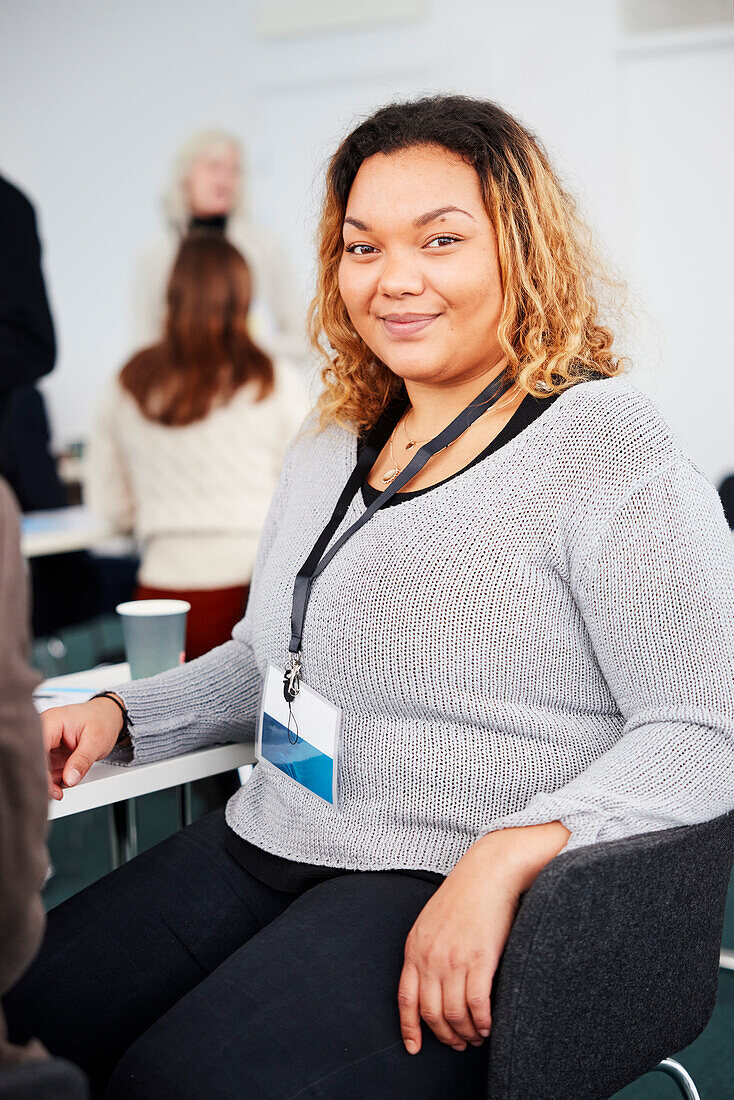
[(124, 734)]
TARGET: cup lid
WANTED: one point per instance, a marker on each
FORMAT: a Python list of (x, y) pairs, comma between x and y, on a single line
[(153, 607)]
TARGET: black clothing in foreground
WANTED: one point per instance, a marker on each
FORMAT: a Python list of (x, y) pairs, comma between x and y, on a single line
[(197, 980), (293, 877), (27, 345)]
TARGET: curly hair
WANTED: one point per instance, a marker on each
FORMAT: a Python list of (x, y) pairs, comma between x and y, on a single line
[(549, 328)]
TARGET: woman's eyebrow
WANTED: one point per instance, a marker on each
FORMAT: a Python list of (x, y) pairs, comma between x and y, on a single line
[(424, 219), (357, 224), (432, 215)]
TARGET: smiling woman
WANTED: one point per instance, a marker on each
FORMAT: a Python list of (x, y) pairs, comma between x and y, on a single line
[(522, 645), (456, 197), (424, 293), (402, 275)]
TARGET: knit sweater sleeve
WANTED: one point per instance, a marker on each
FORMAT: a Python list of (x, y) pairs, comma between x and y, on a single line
[(212, 700), (656, 592)]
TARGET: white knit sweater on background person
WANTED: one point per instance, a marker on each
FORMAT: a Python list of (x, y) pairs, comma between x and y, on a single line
[(196, 496), (547, 636)]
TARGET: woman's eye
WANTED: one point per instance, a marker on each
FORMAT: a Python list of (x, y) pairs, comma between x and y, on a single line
[(359, 249), (444, 239)]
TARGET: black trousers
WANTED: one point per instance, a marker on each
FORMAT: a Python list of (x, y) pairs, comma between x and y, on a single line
[(180, 974)]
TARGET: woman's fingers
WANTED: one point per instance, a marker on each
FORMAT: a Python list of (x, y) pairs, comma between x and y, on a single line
[(478, 998), (431, 1005), (90, 748), (77, 735), (52, 727), (455, 1007), (410, 1017)]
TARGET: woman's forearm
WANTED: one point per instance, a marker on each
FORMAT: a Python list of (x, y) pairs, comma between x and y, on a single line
[(210, 700), (520, 854)]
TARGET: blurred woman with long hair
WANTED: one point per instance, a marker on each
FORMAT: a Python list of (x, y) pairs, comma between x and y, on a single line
[(207, 190), (189, 441)]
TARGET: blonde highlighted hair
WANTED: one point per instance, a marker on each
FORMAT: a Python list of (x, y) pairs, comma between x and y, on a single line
[(549, 328)]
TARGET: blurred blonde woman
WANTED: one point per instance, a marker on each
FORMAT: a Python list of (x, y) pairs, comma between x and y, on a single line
[(188, 444), (206, 191)]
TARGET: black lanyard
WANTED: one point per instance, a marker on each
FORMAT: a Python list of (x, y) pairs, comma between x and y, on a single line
[(315, 563)]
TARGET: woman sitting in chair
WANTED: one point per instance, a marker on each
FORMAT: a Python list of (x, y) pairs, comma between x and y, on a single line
[(492, 618)]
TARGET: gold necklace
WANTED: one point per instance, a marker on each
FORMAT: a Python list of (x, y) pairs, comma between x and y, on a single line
[(410, 442), (395, 470)]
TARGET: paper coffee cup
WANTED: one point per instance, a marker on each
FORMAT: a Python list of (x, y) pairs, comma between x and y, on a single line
[(155, 635)]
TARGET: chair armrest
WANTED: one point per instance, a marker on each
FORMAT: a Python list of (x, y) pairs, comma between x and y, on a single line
[(612, 963)]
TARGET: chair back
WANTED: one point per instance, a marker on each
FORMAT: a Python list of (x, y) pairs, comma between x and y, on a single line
[(612, 963)]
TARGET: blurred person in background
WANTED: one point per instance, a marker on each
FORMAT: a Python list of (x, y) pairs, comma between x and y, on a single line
[(188, 444), (27, 353), (27, 343), (206, 192), (67, 588)]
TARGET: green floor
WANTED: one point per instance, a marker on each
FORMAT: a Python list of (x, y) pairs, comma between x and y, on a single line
[(710, 1060), (80, 853)]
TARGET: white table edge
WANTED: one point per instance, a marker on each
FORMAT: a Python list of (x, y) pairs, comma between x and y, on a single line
[(77, 528), (105, 783)]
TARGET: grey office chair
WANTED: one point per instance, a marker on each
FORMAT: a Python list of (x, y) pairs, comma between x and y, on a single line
[(611, 965)]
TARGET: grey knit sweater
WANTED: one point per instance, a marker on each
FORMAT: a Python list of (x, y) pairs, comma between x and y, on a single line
[(547, 636)]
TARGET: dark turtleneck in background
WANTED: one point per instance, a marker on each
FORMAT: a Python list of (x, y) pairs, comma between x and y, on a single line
[(217, 223)]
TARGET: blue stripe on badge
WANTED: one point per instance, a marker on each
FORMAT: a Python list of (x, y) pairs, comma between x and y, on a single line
[(307, 765)]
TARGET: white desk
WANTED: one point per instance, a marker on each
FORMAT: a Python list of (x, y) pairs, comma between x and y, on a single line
[(61, 530), (106, 784)]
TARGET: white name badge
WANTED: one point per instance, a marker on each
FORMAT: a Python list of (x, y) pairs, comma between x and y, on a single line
[(302, 740)]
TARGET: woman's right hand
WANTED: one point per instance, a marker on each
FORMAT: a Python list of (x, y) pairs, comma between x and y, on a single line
[(75, 737)]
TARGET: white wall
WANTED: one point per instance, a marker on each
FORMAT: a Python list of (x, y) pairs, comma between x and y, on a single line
[(94, 96), (678, 237)]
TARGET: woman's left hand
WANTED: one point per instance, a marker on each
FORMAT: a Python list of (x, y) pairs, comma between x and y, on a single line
[(455, 945)]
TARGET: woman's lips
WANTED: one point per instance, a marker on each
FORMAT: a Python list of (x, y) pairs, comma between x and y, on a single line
[(403, 325)]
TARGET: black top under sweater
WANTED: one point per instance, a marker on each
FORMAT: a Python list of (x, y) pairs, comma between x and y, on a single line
[(289, 875)]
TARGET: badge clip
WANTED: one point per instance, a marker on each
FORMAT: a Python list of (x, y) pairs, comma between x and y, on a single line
[(292, 679)]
